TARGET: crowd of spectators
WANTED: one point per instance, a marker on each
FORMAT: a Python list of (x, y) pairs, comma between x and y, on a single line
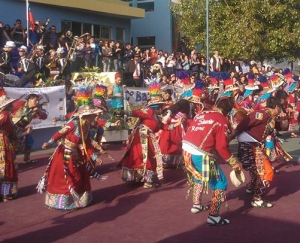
[(135, 63)]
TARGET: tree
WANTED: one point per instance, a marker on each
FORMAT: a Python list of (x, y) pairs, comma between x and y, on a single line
[(253, 29)]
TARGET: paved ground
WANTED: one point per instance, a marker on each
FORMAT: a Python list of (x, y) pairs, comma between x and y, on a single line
[(123, 213)]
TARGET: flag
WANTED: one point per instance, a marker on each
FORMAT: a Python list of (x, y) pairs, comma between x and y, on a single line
[(30, 19)]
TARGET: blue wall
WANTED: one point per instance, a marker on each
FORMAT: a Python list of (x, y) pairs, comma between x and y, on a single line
[(11, 10), (157, 23)]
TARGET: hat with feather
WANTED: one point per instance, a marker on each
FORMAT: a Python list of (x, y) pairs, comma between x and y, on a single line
[(251, 83), (84, 100), (155, 93), (214, 80), (198, 92), (100, 94), (184, 77), (228, 82), (277, 80)]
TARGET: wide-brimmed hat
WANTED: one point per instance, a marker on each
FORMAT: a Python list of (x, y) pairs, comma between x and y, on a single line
[(277, 80), (4, 99), (237, 178), (10, 44)]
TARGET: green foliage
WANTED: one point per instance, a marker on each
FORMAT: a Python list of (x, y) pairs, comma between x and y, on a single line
[(53, 82), (90, 69), (113, 118), (253, 29)]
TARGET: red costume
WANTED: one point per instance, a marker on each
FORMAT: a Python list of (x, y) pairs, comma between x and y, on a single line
[(8, 173), (143, 159), (68, 173)]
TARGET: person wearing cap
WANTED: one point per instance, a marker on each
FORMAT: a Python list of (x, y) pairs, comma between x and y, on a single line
[(63, 65), (206, 136), (39, 60), (252, 132), (67, 178), (6, 58), (23, 112), (115, 93), (8, 172), (27, 68)]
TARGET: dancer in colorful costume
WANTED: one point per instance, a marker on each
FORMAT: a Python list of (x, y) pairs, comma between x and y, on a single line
[(23, 112), (170, 141), (206, 135), (142, 161), (8, 172), (67, 176), (252, 132)]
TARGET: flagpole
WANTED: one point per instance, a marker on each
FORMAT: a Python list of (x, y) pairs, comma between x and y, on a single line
[(27, 20)]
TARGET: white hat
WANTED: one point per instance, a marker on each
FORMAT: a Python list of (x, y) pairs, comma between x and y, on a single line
[(237, 178), (10, 44), (22, 48), (60, 50), (40, 47)]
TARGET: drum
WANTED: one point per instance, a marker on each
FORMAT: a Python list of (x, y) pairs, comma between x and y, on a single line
[(11, 80)]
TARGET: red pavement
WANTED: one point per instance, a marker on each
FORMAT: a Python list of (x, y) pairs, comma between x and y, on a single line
[(123, 213)]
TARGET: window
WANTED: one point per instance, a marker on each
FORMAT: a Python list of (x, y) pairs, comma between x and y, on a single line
[(148, 5), (86, 28), (104, 32), (98, 31), (76, 28), (120, 34), (146, 42), (65, 25)]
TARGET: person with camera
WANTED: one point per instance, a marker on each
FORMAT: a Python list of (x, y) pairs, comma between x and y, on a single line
[(18, 33)]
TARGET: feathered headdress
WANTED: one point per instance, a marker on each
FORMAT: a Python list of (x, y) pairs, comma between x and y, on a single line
[(287, 74), (100, 93), (214, 80), (263, 81), (155, 92), (84, 100), (227, 81), (184, 77), (277, 80), (251, 84), (198, 92)]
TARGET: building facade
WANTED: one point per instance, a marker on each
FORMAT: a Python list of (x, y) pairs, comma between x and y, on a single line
[(105, 19), (158, 28)]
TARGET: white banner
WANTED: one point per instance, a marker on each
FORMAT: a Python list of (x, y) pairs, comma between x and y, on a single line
[(136, 98), (53, 102)]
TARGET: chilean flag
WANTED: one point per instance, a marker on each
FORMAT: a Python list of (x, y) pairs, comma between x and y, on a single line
[(30, 19)]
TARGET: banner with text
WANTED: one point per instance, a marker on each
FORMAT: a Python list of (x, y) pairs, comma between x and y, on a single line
[(53, 102)]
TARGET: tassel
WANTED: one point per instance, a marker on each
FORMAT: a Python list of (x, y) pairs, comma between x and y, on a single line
[(41, 185)]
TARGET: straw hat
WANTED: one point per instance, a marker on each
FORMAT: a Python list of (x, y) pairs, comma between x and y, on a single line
[(237, 178)]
